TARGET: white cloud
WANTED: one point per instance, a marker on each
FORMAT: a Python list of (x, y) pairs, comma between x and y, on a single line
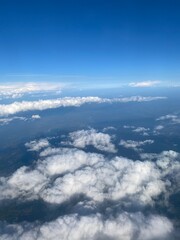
[(135, 144), (60, 174), (173, 118), (83, 138), (167, 117), (15, 107), (5, 121), (17, 90), (158, 127), (94, 227), (142, 130), (91, 174), (37, 145), (144, 84), (35, 116), (108, 128)]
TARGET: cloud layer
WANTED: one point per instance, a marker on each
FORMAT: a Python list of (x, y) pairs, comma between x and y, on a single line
[(106, 196), (144, 84), (95, 227), (16, 107)]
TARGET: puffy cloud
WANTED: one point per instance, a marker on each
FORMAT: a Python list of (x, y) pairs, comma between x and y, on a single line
[(91, 174), (135, 144), (17, 90), (15, 107), (142, 130), (36, 116), (167, 117), (110, 194), (37, 145), (173, 118), (144, 84), (124, 227), (159, 127), (83, 138)]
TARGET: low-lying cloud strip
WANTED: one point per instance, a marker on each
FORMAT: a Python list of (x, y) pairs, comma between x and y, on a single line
[(144, 84), (16, 107), (126, 226)]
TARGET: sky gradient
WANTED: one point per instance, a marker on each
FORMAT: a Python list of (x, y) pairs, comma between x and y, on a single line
[(109, 41)]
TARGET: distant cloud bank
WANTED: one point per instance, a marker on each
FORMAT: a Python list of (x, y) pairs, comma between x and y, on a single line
[(17, 90), (16, 107), (144, 84)]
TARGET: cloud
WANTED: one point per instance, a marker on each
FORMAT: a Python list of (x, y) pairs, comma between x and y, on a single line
[(128, 127), (17, 90), (100, 141), (142, 130), (144, 84), (135, 144), (158, 127), (16, 107), (91, 174), (173, 118), (5, 121), (94, 227), (106, 197), (37, 145), (167, 117), (35, 116)]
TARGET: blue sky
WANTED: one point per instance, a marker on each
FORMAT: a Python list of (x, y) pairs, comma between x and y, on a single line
[(103, 40)]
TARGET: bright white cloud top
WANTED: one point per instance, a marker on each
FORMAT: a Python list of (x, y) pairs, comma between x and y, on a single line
[(115, 184), (100, 141), (16, 107)]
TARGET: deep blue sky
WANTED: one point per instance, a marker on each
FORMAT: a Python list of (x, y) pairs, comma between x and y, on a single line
[(121, 40)]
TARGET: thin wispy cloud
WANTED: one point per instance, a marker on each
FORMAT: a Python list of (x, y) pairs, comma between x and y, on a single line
[(144, 84), (135, 145)]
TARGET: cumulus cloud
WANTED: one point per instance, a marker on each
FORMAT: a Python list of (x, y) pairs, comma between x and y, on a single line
[(16, 107), (94, 227), (144, 84), (142, 130), (158, 127), (91, 174), (36, 116), (37, 145), (17, 90), (106, 189), (173, 118), (135, 144), (83, 138)]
